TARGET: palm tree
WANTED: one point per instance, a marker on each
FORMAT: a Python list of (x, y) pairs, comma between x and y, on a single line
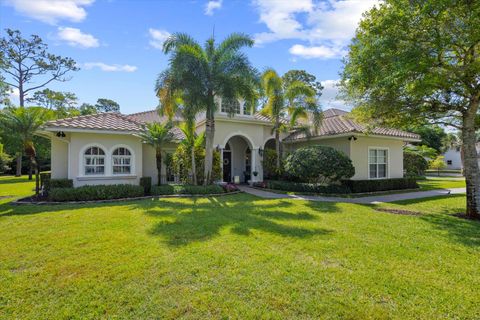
[(24, 123), (205, 73), (192, 142), (157, 135), (297, 100)]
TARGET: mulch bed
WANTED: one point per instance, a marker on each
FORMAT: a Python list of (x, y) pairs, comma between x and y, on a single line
[(399, 211)]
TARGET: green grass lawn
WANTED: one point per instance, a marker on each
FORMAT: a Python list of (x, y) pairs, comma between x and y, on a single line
[(236, 256), (432, 183)]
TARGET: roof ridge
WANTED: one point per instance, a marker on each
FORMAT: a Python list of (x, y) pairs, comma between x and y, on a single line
[(126, 118), (141, 112)]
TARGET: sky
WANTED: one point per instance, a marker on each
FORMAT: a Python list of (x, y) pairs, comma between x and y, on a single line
[(117, 43)]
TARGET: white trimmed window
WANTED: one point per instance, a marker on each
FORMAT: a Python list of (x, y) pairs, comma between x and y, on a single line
[(231, 106), (94, 161), (121, 161), (378, 163)]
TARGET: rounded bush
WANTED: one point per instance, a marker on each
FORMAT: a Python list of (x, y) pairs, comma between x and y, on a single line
[(318, 164), (414, 164)]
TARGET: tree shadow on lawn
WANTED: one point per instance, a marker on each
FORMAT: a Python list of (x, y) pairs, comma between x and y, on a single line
[(200, 220), (466, 232)]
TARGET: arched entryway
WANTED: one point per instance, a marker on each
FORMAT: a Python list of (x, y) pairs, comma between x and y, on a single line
[(238, 159)]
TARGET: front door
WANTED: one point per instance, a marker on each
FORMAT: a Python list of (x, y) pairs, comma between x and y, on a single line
[(227, 166)]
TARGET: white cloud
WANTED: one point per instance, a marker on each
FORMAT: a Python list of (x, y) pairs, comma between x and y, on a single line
[(325, 52), (76, 38), (329, 98), (158, 37), (51, 11), (211, 6), (327, 25), (110, 67)]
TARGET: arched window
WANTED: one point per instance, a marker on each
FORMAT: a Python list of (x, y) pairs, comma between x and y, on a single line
[(121, 161), (94, 160)]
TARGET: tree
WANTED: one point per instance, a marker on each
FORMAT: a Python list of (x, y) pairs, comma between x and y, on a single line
[(28, 62), (297, 99), (24, 123), (420, 60), (437, 164), (192, 142), (107, 105), (424, 151), (302, 76), (64, 103), (432, 135), (205, 73), (86, 109), (158, 135)]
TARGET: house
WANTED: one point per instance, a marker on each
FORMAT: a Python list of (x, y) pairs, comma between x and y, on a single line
[(106, 148), (453, 157)]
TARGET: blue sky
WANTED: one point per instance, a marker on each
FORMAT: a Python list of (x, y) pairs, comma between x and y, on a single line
[(117, 42)]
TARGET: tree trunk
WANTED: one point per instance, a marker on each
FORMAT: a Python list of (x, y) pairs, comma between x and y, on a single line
[(30, 169), (19, 165), (194, 169), (159, 165), (34, 163), (471, 169), (209, 135)]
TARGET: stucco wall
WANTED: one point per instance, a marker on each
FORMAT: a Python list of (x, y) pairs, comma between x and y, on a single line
[(108, 142), (359, 156), (341, 144), (455, 156), (59, 157)]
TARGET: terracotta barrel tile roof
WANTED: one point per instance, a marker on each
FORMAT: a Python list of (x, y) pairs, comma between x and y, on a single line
[(108, 121), (337, 122)]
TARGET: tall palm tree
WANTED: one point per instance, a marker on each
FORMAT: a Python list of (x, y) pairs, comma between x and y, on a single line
[(24, 123), (192, 142), (158, 135), (204, 73), (296, 100)]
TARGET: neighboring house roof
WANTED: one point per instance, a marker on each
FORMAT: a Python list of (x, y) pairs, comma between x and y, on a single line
[(108, 121), (338, 122)]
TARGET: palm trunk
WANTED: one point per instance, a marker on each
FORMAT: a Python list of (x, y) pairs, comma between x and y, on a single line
[(19, 165), (34, 163), (194, 169), (159, 165), (209, 135), (277, 143), (472, 175), (30, 169)]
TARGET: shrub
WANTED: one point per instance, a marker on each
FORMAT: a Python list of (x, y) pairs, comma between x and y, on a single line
[(4, 160), (359, 186), (307, 187), (146, 183), (229, 187), (269, 163), (97, 192), (182, 164), (414, 164), (318, 164), (45, 178), (169, 189), (60, 183)]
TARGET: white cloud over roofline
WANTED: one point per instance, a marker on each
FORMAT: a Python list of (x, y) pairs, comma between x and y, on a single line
[(76, 38), (110, 67)]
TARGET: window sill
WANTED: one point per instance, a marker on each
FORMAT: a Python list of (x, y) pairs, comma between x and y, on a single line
[(112, 177)]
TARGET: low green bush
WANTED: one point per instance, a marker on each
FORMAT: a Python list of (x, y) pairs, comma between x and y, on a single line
[(45, 178), (307, 187), (98, 192), (60, 183), (146, 183), (168, 189), (318, 165), (414, 164), (360, 186)]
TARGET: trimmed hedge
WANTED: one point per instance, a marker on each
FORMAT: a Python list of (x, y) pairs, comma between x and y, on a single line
[(97, 192), (60, 183), (306, 187), (361, 186), (146, 183), (168, 189)]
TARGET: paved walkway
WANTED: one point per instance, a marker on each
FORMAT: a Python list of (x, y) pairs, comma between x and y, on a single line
[(360, 200)]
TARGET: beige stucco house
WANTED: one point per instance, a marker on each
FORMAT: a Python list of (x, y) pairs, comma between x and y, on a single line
[(106, 148)]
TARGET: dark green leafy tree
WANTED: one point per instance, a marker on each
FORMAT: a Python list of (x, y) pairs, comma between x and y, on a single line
[(303, 76), (63, 103), (416, 61), (206, 73), (86, 109), (107, 105), (432, 135)]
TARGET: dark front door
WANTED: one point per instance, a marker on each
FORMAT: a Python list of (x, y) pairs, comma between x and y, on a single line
[(227, 166)]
